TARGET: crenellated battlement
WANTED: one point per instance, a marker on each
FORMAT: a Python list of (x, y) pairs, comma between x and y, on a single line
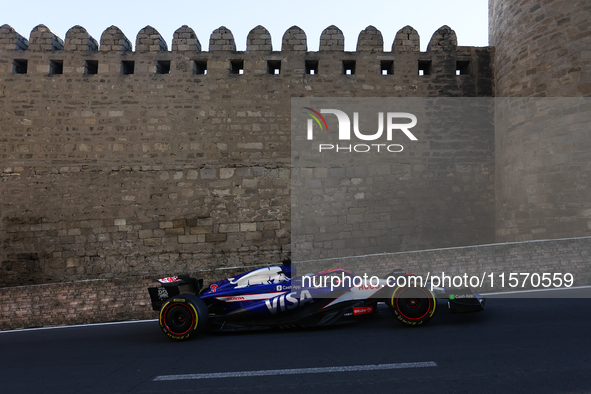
[(149, 39), (185, 39), (46, 53), (43, 39), (114, 40), (78, 39)]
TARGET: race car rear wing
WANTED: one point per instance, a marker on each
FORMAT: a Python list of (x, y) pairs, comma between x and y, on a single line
[(172, 286)]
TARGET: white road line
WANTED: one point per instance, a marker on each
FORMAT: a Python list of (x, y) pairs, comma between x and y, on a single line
[(536, 290), (79, 325), (295, 371)]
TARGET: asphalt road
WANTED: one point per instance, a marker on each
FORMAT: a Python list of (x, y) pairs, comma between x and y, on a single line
[(514, 345)]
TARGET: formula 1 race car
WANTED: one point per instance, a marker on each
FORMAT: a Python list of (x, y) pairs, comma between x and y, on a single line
[(270, 297)]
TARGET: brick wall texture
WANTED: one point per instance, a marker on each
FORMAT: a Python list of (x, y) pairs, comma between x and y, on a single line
[(121, 299), (150, 161), (570, 255), (84, 302), (543, 165)]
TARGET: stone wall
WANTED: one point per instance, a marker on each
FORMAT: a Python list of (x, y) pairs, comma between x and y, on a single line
[(149, 162), (534, 257), (543, 170), (82, 302), (85, 302), (127, 298), (354, 199)]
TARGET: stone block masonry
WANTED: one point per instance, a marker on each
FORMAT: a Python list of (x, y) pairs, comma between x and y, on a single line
[(84, 302), (81, 302), (353, 201), (542, 49), (560, 256), (151, 162), (127, 298)]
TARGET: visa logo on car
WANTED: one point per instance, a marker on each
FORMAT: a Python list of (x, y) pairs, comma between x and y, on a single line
[(288, 301)]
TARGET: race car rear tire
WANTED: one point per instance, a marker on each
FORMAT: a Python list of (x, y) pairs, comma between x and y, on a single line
[(183, 316), (412, 305)]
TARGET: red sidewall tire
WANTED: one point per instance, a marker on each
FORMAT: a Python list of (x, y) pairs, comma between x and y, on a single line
[(412, 305), (183, 316)]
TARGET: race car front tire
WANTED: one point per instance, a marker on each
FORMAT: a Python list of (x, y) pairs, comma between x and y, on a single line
[(183, 316), (413, 305)]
